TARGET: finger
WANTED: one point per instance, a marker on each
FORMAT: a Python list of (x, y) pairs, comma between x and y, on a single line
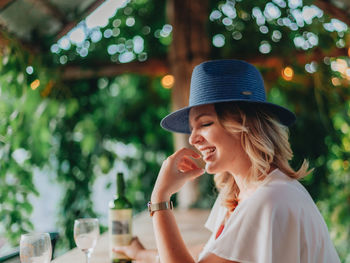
[(189, 162), (194, 173), (186, 165), (119, 249), (135, 239), (184, 168), (188, 152)]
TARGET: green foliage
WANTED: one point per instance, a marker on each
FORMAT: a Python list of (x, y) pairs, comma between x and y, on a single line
[(26, 123), (337, 208), (110, 127)]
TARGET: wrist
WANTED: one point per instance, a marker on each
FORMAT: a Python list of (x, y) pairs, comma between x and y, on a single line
[(158, 197)]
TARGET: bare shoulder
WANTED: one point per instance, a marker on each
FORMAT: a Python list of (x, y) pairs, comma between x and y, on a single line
[(211, 258)]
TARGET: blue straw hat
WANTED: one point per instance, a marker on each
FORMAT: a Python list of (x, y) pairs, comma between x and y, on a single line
[(223, 81)]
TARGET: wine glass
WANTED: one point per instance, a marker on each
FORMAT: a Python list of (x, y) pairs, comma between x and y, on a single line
[(35, 248), (86, 233)]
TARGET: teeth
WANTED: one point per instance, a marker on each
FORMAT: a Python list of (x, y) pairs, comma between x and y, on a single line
[(208, 151)]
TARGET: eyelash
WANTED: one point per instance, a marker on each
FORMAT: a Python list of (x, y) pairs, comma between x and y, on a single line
[(207, 124)]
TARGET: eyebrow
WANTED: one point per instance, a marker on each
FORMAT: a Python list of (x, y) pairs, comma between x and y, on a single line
[(201, 115)]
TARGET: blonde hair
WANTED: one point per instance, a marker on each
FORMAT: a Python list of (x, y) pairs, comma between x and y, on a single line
[(265, 141)]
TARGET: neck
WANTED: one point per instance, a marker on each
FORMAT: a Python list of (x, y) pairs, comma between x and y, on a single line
[(246, 188)]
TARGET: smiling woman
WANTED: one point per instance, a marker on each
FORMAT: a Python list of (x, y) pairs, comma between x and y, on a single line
[(262, 214)]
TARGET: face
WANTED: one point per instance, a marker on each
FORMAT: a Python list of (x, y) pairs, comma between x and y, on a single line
[(221, 151)]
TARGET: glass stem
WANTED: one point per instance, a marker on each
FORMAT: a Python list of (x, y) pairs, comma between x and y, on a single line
[(87, 254)]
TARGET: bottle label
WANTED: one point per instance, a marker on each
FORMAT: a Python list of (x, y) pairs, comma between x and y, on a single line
[(120, 230), (120, 227)]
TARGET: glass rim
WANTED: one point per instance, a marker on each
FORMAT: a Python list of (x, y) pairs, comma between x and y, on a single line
[(34, 234), (93, 219)]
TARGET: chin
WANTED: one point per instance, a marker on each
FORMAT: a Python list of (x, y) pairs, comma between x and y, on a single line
[(210, 169)]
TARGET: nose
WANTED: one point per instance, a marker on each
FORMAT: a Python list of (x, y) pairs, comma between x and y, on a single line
[(195, 138)]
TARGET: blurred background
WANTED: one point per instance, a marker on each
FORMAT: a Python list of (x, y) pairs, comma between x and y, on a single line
[(85, 83)]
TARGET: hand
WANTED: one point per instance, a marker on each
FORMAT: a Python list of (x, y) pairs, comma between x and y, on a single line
[(176, 170), (133, 250)]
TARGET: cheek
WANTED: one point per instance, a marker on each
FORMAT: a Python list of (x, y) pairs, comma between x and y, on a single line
[(230, 148)]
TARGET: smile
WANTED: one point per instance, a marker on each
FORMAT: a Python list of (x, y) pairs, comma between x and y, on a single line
[(207, 152)]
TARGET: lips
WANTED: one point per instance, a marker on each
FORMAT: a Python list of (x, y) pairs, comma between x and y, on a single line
[(207, 152)]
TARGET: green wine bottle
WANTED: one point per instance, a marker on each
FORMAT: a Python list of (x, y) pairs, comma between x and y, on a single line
[(119, 222)]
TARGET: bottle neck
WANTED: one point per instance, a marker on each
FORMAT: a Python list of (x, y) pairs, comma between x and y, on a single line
[(120, 185)]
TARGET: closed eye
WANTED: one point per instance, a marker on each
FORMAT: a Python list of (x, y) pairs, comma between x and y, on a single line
[(207, 124)]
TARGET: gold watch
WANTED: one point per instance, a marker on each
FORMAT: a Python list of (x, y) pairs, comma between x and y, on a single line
[(159, 206)]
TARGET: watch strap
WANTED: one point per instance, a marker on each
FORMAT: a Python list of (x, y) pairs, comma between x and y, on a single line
[(159, 206)]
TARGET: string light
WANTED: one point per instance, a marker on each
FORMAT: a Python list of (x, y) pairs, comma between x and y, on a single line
[(168, 81), (35, 84), (288, 73)]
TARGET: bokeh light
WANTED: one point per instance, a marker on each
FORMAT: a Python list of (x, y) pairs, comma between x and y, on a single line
[(264, 29), (63, 59), (265, 47), (288, 73), (336, 81), (295, 3), (130, 21), (126, 57), (219, 40), (108, 33), (271, 11), (64, 43), (215, 15), (138, 44), (340, 65), (335, 25), (276, 36), (30, 70), (77, 35), (35, 84), (237, 35), (311, 67), (168, 81)]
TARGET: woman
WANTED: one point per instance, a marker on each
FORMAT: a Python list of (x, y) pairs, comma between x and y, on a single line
[(262, 214)]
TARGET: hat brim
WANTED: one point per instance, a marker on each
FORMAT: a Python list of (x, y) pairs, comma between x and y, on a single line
[(178, 121)]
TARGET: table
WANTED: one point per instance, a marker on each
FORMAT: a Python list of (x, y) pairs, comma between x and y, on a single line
[(191, 224)]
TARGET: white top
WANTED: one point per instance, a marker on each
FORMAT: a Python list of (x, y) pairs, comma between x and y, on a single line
[(278, 223)]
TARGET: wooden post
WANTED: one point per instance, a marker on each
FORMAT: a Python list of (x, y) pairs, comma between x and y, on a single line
[(190, 46)]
